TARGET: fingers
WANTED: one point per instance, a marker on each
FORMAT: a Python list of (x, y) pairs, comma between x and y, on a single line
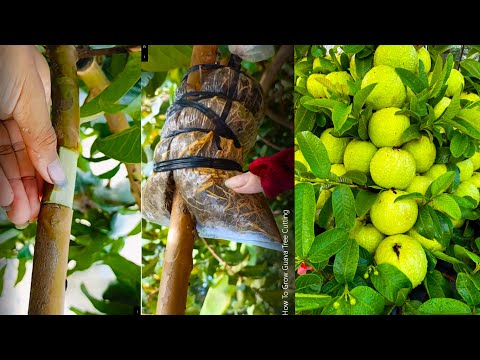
[(6, 192), (20, 211), (247, 183), (26, 169), (44, 73), (32, 116)]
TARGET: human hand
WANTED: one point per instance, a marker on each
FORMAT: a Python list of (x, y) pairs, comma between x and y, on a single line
[(28, 143), (246, 183)]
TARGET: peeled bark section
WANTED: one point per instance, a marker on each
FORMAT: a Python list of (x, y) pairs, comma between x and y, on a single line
[(50, 260)]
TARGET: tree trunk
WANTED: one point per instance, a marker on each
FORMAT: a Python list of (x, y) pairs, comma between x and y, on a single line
[(178, 262), (50, 260)]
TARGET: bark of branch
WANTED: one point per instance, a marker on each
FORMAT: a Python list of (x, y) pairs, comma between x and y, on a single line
[(178, 262), (278, 119), (86, 52), (96, 81), (50, 260), (270, 74)]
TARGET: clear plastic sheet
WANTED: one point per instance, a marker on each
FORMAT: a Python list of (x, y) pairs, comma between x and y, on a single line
[(218, 211)]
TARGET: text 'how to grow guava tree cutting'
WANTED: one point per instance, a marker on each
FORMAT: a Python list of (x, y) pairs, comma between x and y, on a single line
[(386, 182)]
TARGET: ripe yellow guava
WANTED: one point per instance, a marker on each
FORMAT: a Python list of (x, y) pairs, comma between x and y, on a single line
[(470, 97), (424, 55), (419, 184), (435, 171), (358, 155), (391, 217), (368, 237), (432, 245), (386, 129), (392, 168), (406, 254), (389, 92), (335, 146), (467, 188), (339, 80), (466, 169), (441, 106), (475, 179), (424, 152), (353, 68), (298, 156), (455, 83), (314, 87), (323, 198)]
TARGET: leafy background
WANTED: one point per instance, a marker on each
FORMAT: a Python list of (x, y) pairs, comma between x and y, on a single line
[(337, 263), (227, 278), (104, 255)]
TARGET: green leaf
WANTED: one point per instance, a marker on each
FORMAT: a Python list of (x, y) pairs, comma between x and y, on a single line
[(218, 297), (315, 153), (111, 173), (463, 202), (442, 183), (304, 218), (304, 120), (356, 176), (346, 262), (340, 114), (326, 214), (447, 229), (452, 109), (444, 306), (391, 283), (364, 201), (360, 98), (467, 289), (327, 84), (411, 133), (317, 51), (123, 146), (437, 286), (369, 302), (22, 268), (134, 108), (352, 49), (327, 244), (363, 65), (472, 66), (459, 144), (114, 92), (446, 204), (166, 57), (108, 307), (343, 207), (440, 255), (317, 105), (424, 224), (308, 284), (303, 69), (411, 80), (327, 65), (310, 301), (414, 195), (467, 253)]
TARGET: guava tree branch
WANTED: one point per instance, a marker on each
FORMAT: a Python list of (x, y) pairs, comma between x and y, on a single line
[(333, 183), (50, 259), (270, 74)]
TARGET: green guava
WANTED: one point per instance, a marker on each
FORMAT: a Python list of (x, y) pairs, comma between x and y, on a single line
[(423, 151), (406, 254), (475, 179), (397, 56), (441, 106), (391, 217), (339, 80), (335, 146), (435, 171), (432, 245), (424, 55), (338, 169), (467, 188), (455, 83), (392, 168), (466, 169), (419, 184), (358, 155), (386, 129), (476, 161), (314, 87), (389, 91), (369, 237)]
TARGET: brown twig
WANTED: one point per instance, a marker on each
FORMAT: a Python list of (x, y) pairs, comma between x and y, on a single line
[(87, 52), (460, 60), (270, 75), (269, 143), (215, 255), (278, 119)]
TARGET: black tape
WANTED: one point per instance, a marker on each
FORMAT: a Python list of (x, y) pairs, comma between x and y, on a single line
[(197, 162)]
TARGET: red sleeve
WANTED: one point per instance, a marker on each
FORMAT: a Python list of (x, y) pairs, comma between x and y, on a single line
[(276, 172)]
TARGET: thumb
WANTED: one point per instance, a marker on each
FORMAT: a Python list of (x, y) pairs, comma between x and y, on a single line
[(31, 114), (247, 183)]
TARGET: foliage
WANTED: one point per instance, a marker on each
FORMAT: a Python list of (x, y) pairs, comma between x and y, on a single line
[(227, 278), (105, 214), (343, 271)]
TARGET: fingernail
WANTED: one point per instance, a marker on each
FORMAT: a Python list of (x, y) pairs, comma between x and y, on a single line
[(56, 173), (22, 226), (230, 183)]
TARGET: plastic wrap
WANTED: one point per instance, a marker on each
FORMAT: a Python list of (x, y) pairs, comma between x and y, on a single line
[(218, 211)]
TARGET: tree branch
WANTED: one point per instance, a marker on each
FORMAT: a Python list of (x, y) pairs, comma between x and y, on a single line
[(269, 143), (278, 119), (270, 74)]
